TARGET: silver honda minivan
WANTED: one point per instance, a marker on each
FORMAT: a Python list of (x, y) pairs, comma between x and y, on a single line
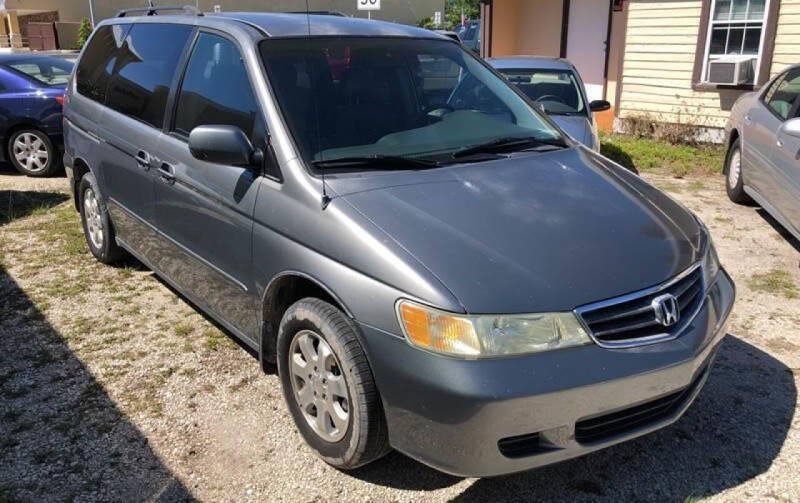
[(431, 263)]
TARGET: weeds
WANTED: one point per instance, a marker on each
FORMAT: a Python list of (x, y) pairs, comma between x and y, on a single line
[(656, 156), (776, 281)]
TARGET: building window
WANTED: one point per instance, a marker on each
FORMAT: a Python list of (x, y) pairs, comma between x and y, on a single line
[(735, 44), (735, 29)]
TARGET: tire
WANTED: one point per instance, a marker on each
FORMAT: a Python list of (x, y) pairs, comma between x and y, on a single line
[(32, 153), (97, 226), (734, 179), (309, 328)]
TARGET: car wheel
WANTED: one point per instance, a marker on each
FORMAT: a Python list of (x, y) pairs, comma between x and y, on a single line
[(328, 385), (734, 181), (32, 153), (97, 226)]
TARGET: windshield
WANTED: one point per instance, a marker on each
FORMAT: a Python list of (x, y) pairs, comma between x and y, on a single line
[(556, 90), (49, 71), (355, 97)]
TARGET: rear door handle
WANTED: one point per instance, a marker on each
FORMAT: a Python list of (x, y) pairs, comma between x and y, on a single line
[(167, 173), (143, 159), (747, 119)]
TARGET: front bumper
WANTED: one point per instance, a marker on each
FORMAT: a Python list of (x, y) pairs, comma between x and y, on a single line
[(452, 414)]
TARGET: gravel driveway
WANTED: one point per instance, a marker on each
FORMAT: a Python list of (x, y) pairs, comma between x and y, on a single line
[(112, 387)]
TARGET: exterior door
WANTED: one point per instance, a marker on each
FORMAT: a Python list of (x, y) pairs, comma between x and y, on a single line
[(41, 36), (587, 42), (141, 72), (204, 210)]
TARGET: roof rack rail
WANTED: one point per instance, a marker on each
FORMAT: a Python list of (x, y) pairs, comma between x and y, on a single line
[(318, 12), (153, 11)]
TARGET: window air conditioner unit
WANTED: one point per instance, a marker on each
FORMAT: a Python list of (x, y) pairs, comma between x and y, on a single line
[(732, 70)]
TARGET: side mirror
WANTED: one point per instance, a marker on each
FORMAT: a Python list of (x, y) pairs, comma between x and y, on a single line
[(791, 127), (222, 144), (599, 105)]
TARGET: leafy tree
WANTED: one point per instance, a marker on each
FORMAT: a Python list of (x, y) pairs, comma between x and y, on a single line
[(84, 30), (452, 11), (427, 23)]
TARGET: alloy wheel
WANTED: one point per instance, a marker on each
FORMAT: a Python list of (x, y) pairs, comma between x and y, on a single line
[(94, 221), (30, 151), (318, 385)]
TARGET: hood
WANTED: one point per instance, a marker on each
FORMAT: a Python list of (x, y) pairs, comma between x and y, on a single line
[(577, 126), (532, 232)]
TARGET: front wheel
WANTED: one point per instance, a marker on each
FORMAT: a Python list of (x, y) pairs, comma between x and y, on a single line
[(734, 181), (32, 153), (328, 385)]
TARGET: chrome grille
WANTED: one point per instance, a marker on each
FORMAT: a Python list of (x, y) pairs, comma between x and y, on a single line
[(631, 320)]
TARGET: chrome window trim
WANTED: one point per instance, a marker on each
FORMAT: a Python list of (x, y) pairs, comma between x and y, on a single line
[(651, 339)]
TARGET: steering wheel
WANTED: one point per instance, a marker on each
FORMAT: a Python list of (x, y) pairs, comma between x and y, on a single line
[(551, 97)]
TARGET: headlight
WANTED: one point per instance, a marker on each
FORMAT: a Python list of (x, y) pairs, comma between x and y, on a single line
[(488, 335), (710, 263)]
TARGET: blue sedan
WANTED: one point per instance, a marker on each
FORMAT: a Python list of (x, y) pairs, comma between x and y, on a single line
[(31, 103)]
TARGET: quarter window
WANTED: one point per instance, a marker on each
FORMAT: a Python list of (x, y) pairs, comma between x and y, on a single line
[(96, 64), (216, 89), (144, 68)]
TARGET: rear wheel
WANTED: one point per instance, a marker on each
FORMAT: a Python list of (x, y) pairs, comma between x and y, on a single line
[(32, 153), (734, 181), (328, 385), (96, 224)]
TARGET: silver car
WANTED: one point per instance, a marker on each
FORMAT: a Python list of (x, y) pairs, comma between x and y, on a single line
[(763, 148), (557, 87)]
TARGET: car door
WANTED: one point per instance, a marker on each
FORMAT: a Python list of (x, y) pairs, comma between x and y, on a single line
[(204, 210), (759, 126), (141, 69), (786, 156)]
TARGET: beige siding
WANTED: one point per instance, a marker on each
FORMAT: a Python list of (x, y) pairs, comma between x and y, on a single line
[(659, 58), (787, 37)]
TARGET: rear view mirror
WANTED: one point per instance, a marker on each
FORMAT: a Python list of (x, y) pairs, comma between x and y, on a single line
[(222, 144), (599, 105), (791, 128)]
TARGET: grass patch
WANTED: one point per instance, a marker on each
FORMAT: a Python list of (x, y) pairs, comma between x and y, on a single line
[(183, 329), (215, 339), (776, 282), (656, 156)]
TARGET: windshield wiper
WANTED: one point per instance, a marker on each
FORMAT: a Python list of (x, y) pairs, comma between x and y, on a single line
[(509, 144), (380, 161)]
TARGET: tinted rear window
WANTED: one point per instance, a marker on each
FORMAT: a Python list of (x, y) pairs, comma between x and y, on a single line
[(97, 63), (144, 69)]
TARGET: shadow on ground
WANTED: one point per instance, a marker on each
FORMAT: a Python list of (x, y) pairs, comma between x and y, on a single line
[(17, 204), (618, 155), (731, 434), (62, 438), (780, 229)]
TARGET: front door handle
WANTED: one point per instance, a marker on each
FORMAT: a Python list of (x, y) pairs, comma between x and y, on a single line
[(143, 159), (779, 142), (747, 119), (167, 173)]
